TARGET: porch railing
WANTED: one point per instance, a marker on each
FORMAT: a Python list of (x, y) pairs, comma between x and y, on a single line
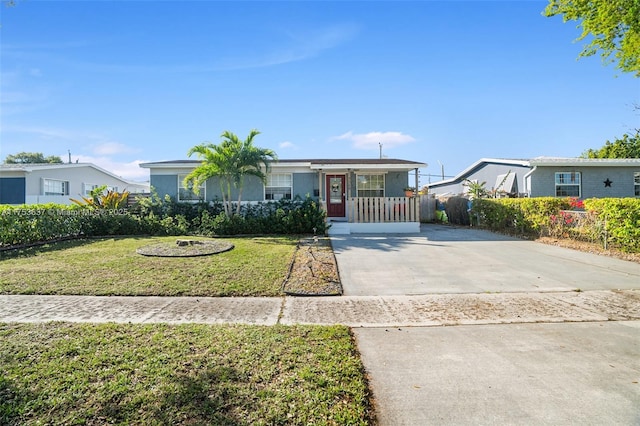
[(383, 209)]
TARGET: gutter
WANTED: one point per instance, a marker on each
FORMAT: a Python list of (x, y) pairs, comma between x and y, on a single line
[(527, 181)]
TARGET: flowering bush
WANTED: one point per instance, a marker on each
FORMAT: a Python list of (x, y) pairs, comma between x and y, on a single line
[(612, 222)]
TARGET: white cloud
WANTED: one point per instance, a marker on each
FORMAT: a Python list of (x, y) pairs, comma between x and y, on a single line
[(372, 140), (128, 171), (102, 151), (287, 145)]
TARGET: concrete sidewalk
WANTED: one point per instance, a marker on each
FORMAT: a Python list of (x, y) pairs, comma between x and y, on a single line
[(354, 311), (514, 358), (553, 358)]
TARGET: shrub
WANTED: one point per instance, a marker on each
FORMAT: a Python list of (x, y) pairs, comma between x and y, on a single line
[(457, 209), (153, 216), (30, 224), (620, 219), (527, 216), (613, 221), (280, 217)]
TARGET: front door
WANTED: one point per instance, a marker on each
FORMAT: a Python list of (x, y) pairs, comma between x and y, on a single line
[(335, 196)]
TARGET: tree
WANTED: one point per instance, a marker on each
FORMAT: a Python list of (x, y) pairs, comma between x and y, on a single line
[(230, 161), (626, 147), (476, 189), (31, 158), (614, 26)]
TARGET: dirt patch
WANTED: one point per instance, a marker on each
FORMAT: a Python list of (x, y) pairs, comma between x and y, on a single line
[(314, 271), (589, 248)]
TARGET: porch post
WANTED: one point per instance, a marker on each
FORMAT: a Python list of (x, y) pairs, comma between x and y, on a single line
[(320, 187), (347, 191), (417, 199)]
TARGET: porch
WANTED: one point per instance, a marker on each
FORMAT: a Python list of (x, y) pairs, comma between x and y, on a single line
[(377, 215)]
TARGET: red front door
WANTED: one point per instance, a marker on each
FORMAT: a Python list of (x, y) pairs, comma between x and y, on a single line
[(335, 195)]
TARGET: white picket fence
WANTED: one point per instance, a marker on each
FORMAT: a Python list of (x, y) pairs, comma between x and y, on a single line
[(383, 209)]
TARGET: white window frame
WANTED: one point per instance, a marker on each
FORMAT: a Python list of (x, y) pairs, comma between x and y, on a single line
[(195, 198), (47, 183), (279, 186), (88, 187), (360, 190), (564, 180), (636, 183)]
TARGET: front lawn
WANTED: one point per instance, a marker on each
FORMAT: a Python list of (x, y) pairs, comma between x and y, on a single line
[(255, 267), (64, 373)]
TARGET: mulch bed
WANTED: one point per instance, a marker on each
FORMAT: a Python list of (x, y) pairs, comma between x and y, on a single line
[(313, 271), (590, 248), (188, 248)]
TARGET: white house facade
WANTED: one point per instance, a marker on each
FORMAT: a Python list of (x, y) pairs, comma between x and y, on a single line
[(58, 183)]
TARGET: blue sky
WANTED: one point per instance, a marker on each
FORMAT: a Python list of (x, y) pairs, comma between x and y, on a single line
[(441, 82)]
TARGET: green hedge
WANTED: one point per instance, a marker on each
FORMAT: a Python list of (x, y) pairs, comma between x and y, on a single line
[(28, 224), (620, 219), (615, 222), (279, 217), (528, 216), (40, 223)]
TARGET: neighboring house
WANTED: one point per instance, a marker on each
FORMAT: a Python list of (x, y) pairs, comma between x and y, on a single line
[(57, 183), (359, 195), (583, 178), (549, 177), (500, 175)]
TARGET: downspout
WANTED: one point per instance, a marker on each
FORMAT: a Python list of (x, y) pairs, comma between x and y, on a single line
[(527, 181), (417, 197)]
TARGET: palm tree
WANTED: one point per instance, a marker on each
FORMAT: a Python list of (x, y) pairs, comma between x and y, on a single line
[(230, 161)]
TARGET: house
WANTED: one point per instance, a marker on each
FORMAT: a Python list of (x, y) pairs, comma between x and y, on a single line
[(583, 177), (500, 175), (57, 183), (359, 195), (549, 177)]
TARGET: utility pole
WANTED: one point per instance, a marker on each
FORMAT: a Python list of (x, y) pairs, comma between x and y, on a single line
[(380, 145)]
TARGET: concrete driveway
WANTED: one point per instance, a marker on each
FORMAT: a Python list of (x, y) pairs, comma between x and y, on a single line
[(444, 259), (556, 373), (516, 374)]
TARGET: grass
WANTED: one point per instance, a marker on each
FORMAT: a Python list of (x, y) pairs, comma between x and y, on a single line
[(255, 267), (64, 373)]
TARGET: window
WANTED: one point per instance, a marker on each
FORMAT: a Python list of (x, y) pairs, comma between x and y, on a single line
[(55, 187), (370, 185), (187, 193), (568, 184), (636, 183), (278, 187), (88, 187)]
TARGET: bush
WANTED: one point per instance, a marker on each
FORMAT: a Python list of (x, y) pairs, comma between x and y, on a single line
[(41, 223), (620, 219), (526, 216), (280, 217), (45, 222), (457, 209), (612, 221)]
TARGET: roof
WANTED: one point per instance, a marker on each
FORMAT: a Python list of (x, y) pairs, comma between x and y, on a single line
[(315, 164), (592, 162), (30, 167), (476, 166)]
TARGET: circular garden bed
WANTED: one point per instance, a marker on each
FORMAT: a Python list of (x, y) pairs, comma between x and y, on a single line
[(186, 248)]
